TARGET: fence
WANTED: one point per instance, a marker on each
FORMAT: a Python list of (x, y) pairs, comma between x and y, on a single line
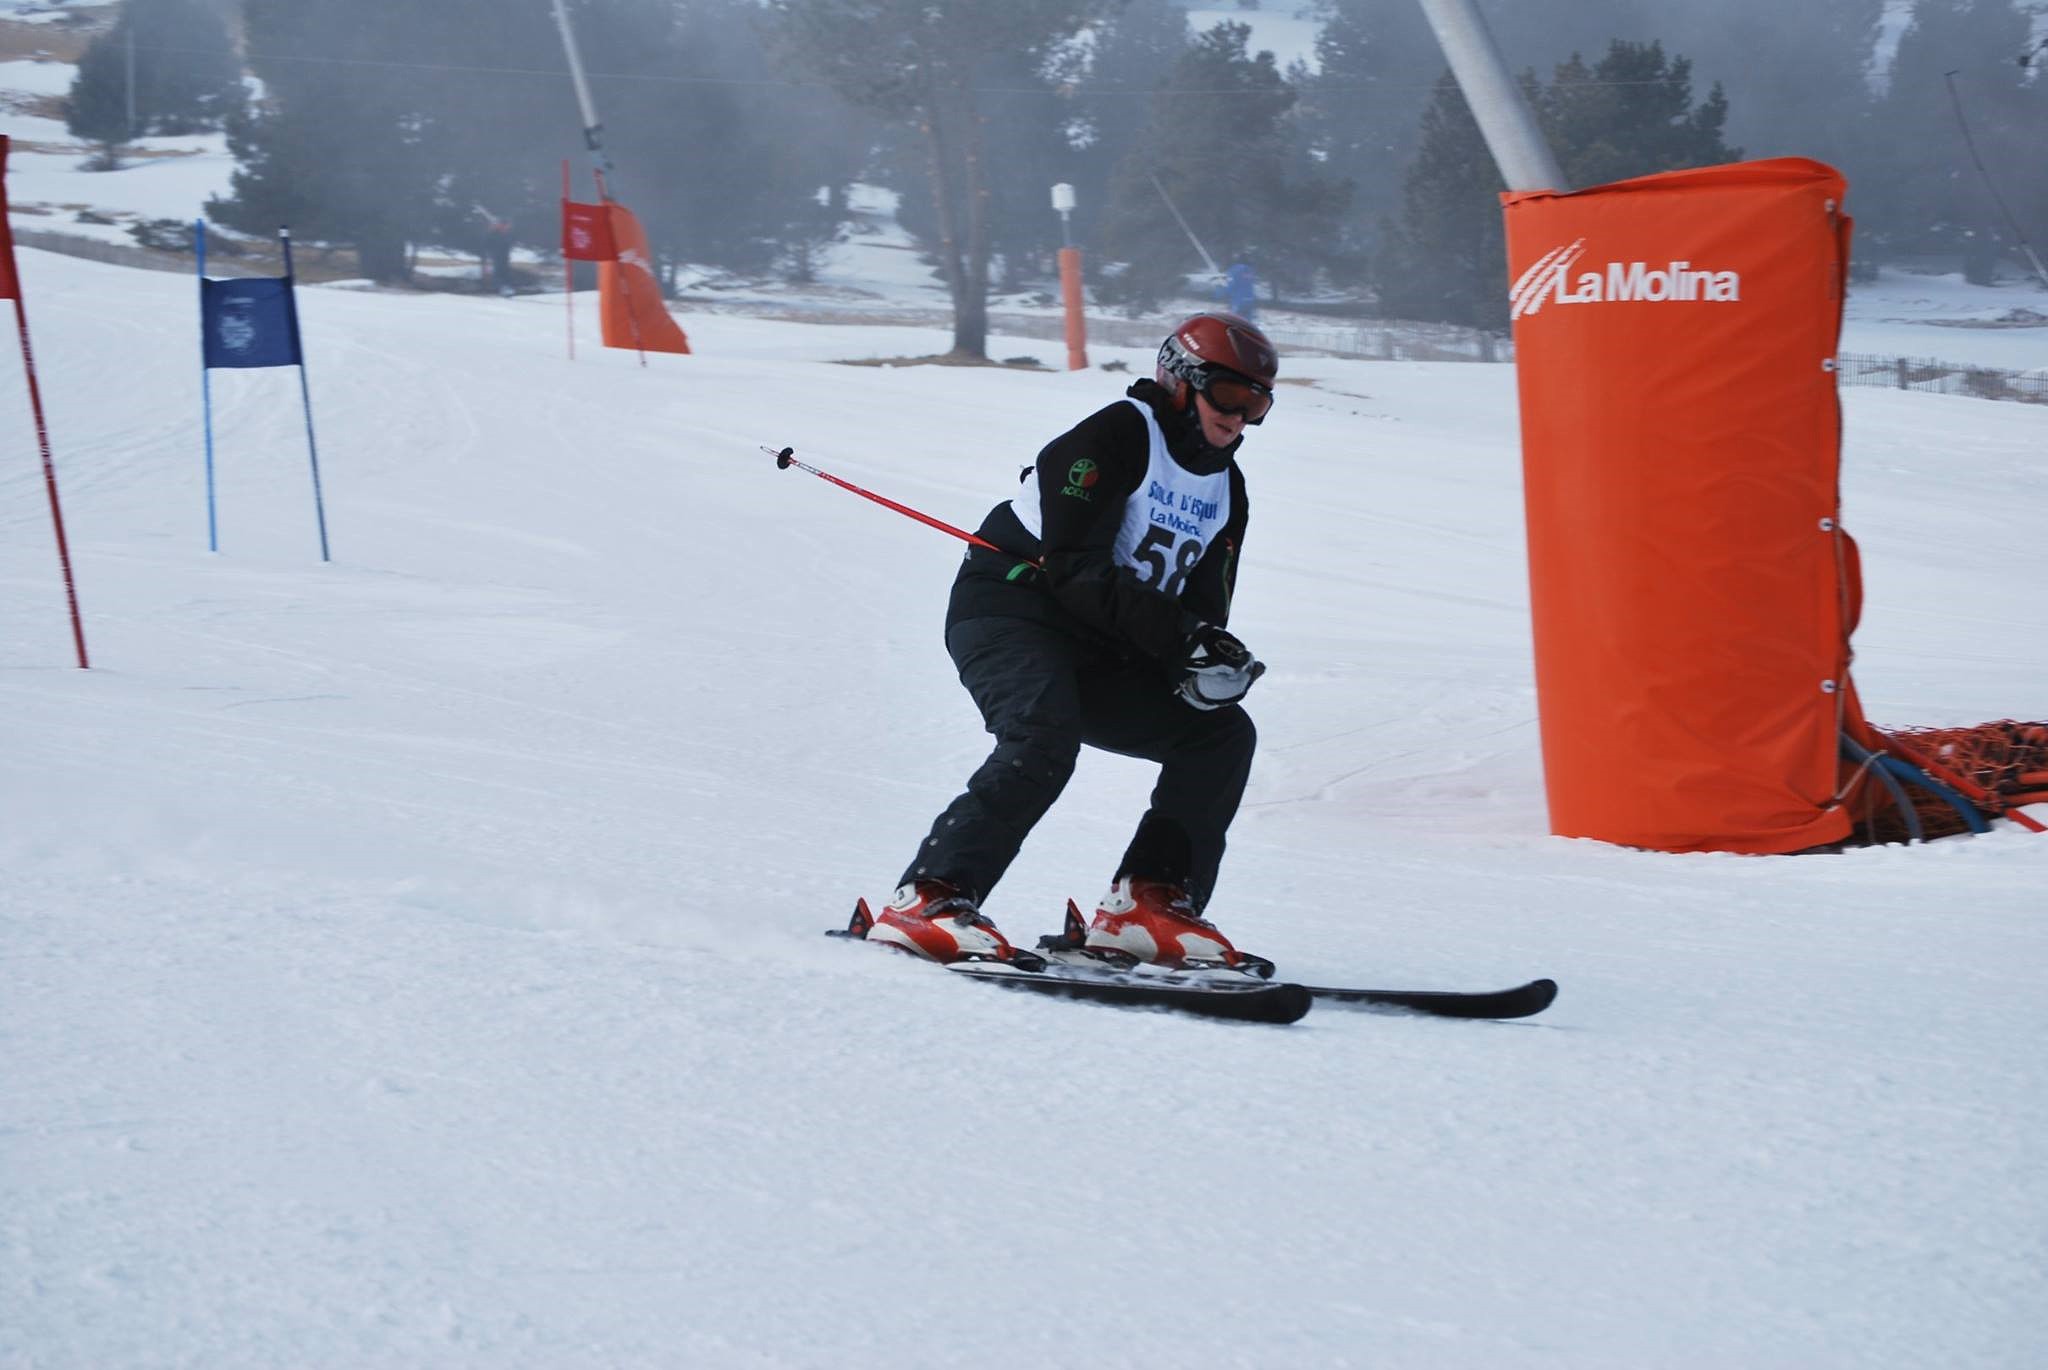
[(1404, 340), (1386, 340), (1942, 378), (98, 249), (1378, 340)]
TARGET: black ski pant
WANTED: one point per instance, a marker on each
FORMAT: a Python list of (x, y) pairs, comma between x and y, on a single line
[(1043, 693)]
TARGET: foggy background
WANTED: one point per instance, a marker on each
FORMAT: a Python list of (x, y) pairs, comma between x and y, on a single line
[(1349, 176)]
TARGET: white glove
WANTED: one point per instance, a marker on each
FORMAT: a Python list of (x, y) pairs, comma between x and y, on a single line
[(1216, 669)]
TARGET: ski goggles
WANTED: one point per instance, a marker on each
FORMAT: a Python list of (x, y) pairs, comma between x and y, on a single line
[(1229, 393)]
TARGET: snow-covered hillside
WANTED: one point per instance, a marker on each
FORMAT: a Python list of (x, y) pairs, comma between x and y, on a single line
[(416, 959)]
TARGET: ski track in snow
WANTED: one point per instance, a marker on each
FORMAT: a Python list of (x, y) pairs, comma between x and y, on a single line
[(416, 960)]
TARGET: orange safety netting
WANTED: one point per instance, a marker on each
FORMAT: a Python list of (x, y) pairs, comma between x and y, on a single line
[(2005, 758), (1992, 768)]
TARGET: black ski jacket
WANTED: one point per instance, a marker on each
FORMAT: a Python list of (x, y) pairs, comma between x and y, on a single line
[(1081, 588)]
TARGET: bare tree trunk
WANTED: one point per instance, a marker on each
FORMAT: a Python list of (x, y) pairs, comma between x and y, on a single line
[(970, 315), (938, 146), (949, 115), (384, 256)]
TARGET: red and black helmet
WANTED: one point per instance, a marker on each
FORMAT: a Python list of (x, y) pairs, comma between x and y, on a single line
[(1216, 346)]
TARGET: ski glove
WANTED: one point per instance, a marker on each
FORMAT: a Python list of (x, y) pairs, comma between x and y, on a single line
[(1216, 669)]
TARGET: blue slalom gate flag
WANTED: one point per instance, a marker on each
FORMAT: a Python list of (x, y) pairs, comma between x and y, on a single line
[(243, 322), (249, 322)]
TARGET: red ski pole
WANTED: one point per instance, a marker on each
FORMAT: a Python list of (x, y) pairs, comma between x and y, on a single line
[(786, 458)]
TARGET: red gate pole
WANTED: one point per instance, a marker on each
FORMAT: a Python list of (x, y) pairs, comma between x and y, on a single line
[(10, 279), (35, 402), (568, 266)]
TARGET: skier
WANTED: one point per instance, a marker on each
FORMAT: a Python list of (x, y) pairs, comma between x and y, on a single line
[(1103, 622), (1241, 290), (497, 250)]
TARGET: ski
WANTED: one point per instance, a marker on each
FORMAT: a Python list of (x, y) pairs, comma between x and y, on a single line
[(1237, 998), (1245, 1000), (1522, 1001), (1063, 968)]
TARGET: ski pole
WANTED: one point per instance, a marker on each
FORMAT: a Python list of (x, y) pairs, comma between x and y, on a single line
[(786, 458)]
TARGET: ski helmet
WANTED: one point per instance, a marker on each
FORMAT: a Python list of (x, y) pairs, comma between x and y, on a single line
[(1211, 346)]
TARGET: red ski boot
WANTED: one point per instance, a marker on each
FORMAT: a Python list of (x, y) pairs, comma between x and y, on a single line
[(939, 923), (1149, 920)]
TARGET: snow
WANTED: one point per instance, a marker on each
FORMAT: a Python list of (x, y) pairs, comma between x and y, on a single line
[(416, 959), (1923, 315), (51, 11), (25, 77), (168, 177)]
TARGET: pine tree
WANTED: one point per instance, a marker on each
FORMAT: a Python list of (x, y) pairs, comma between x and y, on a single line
[(97, 107), (769, 157), (1220, 149), (339, 147), (1630, 114), (931, 65), (1023, 121), (718, 153), (1444, 257), (185, 75), (1796, 74), (419, 124), (1129, 56), (1928, 194), (1362, 108)]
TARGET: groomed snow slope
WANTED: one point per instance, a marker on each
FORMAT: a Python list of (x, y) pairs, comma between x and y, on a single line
[(415, 960)]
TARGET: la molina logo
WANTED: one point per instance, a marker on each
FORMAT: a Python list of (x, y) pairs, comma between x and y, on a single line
[(1552, 280)]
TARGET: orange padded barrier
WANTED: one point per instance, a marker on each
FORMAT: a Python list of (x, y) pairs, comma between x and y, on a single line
[(1690, 583)]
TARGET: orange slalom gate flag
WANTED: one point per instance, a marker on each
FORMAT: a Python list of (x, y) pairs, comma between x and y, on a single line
[(630, 306), (1691, 587)]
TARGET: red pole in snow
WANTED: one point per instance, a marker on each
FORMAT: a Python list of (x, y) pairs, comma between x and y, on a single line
[(10, 285), (35, 401), (568, 266)]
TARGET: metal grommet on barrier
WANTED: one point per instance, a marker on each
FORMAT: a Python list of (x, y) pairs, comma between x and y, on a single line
[(1827, 687), (1828, 364), (1827, 525)]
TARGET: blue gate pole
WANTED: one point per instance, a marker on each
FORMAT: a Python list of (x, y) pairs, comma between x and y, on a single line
[(205, 387), (291, 303)]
